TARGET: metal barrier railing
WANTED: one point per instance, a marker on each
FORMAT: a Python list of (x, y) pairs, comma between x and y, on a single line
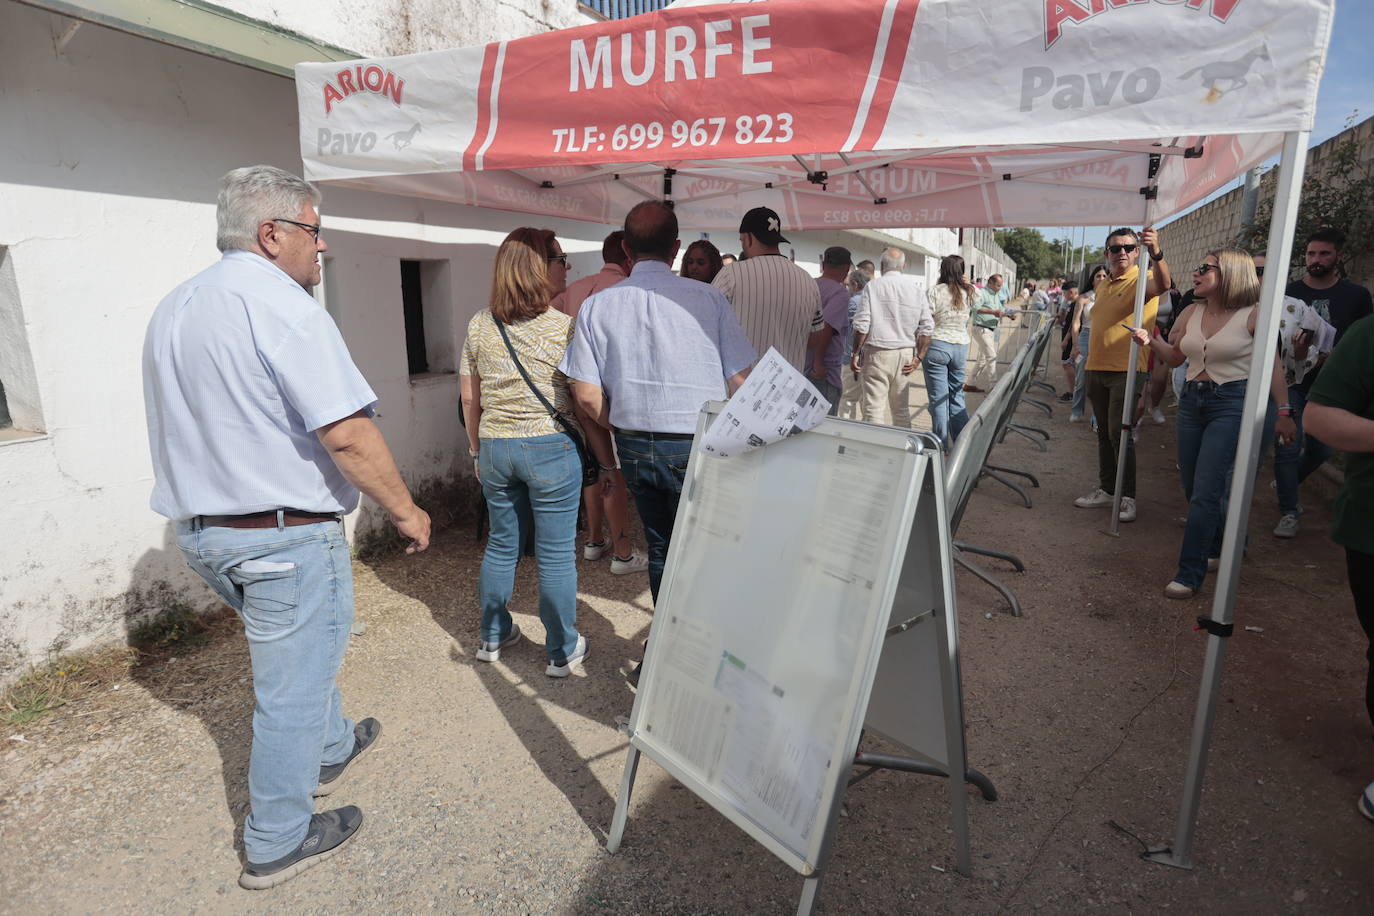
[(623, 9), (989, 424)]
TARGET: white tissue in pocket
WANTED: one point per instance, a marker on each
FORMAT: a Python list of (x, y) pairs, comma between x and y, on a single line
[(264, 566)]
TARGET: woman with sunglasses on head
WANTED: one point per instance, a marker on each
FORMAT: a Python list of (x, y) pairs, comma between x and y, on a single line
[(1216, 334), (1081, 329), (701, 261), (525, 456)]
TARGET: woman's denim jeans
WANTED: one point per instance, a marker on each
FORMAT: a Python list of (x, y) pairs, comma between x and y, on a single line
[(293, 589), (1209, 421), (944, 372), (1080, 380), (539, 476)]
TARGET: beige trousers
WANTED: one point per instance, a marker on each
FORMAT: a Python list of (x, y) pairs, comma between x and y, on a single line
[(982, 357), (885, 391)]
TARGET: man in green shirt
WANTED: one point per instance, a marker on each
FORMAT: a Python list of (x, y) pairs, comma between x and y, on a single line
[(1340, 412), (983, 335)]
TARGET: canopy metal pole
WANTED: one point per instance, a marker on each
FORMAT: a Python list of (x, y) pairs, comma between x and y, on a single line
[(1289, 188)]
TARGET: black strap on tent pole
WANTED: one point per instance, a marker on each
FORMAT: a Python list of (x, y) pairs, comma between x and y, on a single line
[(1215, 627), (668, 186)]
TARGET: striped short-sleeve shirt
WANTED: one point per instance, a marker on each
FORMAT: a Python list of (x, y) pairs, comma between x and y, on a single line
[(777, 303)]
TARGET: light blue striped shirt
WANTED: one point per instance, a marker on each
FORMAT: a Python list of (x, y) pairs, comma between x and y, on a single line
[(659, 346), (240, 366)]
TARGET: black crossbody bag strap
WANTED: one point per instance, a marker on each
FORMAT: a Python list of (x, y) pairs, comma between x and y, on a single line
[(568, 429)]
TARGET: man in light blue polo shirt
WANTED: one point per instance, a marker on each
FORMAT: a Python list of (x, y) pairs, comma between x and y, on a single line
[(261, 435), (646, 354)]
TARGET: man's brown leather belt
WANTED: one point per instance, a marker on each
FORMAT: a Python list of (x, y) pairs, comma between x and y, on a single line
[(267, 519)]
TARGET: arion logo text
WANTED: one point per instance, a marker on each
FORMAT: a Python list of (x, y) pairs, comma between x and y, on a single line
[(1061, 13), (362, 78)]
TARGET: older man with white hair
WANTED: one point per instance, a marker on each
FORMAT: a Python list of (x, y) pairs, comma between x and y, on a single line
[(262, 435), (892, 329)]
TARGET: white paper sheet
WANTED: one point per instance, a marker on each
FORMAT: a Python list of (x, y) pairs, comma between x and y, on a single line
[(775, 402)]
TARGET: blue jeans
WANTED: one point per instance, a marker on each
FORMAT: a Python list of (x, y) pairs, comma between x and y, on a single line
[(1299, 458), (1209, 421), (654, 472), (293, 590), (944, 372), (1080, 380), (538, 477)]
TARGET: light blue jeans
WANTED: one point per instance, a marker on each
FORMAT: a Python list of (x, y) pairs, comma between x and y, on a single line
[(1080, 381), (944, 372), (538, 477), (1209, 421), (293, 590)]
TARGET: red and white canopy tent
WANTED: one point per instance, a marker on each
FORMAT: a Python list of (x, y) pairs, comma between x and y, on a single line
[(861, 114)]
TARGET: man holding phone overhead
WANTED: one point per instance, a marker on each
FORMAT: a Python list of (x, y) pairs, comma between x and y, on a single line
[(1109, 354)]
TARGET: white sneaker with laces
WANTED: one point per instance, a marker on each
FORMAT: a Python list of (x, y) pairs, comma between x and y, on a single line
[(1127, 513), (594, 550), (1158, 416), (1094, 500), (1287, 527), (491, 651), (563, 670), (636, 563)]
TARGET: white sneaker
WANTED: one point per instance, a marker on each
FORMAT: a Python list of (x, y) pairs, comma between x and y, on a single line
[(1178, 591), (1077, 419), (1287, 527), (638, 562), (1213, 564), (595, 550), (491, 651), (576, 658), (1127, 513), (1366, 802), (1094, 500), (1158, 416)]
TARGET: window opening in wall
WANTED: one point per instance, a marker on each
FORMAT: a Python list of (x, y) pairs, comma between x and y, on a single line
[(413, 303), (427, 304), (20, 415)]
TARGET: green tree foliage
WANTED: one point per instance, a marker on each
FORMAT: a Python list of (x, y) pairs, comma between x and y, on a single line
[(1037, 257), (1338, 193)]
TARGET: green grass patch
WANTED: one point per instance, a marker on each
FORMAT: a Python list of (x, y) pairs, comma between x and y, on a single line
[(176, 627), (61, 681)]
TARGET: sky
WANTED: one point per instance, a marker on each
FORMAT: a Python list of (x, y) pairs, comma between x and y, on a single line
[(1347, 86)]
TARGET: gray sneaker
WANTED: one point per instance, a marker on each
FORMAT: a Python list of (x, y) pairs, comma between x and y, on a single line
[(1127, 513), (491, 651), (1287, 527), (328, 832), (365, 734)]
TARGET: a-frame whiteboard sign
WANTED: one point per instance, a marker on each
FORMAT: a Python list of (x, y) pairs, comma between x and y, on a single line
[(771, 619)]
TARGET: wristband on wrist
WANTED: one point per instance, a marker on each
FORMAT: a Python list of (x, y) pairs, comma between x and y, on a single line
[(614, 467)]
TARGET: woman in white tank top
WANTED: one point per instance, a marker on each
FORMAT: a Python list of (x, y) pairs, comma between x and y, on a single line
[(1216, 335)]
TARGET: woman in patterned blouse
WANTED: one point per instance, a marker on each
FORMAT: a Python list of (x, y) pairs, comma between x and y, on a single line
[(943, 365), (526, 461)]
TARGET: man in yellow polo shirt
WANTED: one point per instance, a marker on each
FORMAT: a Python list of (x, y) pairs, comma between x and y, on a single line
[(1109, 354)]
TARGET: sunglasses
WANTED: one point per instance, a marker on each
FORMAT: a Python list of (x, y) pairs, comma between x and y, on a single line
[(1118, 249), (559, 258), (1203, 268), (312, 228)]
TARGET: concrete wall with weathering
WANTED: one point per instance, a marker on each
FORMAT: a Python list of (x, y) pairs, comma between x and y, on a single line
[(386, 27), (1216, 224)]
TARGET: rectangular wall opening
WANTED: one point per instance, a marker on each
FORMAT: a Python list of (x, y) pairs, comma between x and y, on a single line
[(20, 414), (427, 306)]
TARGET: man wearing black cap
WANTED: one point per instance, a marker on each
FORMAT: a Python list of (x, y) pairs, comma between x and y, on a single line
[(777, 303), (827, 351)]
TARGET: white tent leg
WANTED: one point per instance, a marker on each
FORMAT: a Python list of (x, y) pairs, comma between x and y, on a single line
[(1281, 230)]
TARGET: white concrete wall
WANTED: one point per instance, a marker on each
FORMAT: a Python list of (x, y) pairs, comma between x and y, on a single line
[(385, 27)]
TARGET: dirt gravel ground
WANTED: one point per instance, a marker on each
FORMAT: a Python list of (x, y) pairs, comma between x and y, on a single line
[(493, 786)]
